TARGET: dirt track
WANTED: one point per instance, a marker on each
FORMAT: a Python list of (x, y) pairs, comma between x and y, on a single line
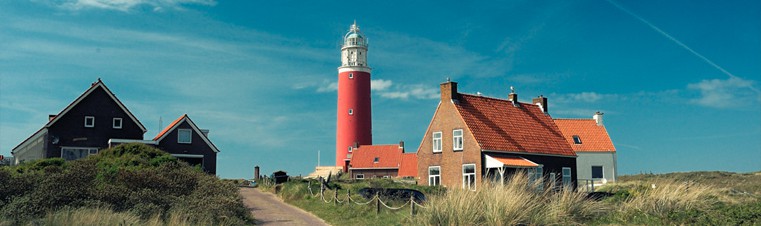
[(270, 210)]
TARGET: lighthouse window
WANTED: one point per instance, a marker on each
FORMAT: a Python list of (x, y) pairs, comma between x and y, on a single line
[(351, 111), (351, 75)]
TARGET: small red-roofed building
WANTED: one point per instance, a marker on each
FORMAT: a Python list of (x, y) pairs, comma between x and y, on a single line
[(381, 161), (474, 137), (597, 159)]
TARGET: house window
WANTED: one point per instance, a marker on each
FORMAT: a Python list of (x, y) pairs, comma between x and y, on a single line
[(536, 176), (376, 160), (469, 176), (597, 172), (117, 123), (89, 121), (359, 176), (457, 139), (70, 153), (184, 136), (576, 139), (434, 175), (553, 180), (436, 141), (567, 176), (351, 111), (387, 176), (351, 75)]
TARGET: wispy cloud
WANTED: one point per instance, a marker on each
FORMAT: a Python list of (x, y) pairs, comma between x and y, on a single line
[(416, 91), (327, 87), (586, 97), (725, 93), (126, 5), (380, 84)]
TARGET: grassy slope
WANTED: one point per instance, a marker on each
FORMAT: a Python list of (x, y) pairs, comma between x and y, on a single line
[(681, 198)]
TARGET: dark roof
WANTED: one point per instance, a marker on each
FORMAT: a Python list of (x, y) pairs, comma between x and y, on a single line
[(177, 122), (498, 125)]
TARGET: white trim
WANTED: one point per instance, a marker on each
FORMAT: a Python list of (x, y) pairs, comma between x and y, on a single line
[(371, 168), (195, 128), (441, 142), (467, 175), (87, 93), (454, 140), (89, 151), (121, 123), (570, 176), (187, 156), (354, 68), (351, 111), (357, 176), (179, 136), (93, 121), (434, 176)]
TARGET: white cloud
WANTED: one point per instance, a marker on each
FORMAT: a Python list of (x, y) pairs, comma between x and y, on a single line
[(126, 5), (380, 84), (718, 93), (327, 87), (586, 97), (412, 91)]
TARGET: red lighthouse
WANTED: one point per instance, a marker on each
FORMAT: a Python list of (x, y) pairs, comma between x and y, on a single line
[(353, 122)]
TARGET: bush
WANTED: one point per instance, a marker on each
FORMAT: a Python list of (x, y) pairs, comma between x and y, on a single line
[(133, 178)]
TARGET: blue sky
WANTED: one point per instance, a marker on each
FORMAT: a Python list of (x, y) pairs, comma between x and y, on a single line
[(678, 80)]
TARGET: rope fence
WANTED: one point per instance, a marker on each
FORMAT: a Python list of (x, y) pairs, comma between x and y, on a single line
[(378, 202)]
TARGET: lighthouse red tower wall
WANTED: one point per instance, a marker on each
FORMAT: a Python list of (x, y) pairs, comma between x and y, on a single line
[(354, 121)]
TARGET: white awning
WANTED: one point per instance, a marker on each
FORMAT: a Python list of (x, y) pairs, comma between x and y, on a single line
[(513, 162)]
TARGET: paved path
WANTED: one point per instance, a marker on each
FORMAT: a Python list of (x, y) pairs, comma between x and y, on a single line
[(270, 210)]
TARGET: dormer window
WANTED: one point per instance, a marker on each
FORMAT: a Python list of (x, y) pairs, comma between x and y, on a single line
[(576, 139), (89, 121), (117, 123), (184, 136), (376, 160)]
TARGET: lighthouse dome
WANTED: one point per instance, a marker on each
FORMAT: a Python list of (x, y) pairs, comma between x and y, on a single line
[(355, 37)]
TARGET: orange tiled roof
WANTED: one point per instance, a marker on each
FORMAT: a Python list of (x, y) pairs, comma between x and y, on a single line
[(169, 127), (594, 138), (497, 125), (389, 156), (408, 166)]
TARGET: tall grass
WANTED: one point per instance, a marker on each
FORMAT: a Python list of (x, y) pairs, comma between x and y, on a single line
[(516, 202), (640, 200)]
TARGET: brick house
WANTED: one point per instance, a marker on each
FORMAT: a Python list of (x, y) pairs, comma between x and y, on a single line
[(382, 161), (597, 159), (472, 137), (82, 128)]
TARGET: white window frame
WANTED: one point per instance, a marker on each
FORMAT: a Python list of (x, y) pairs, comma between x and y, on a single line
[(359, 176), (540, 176), (121, 123), (179, 136), (351, 111), (457, 142), (387, 176), (351, 75), (469, 179), (567, 176), (432, 178), (93, 121), (553, 179), (351, 149), (89, 150), (602, 172), (437, 144)]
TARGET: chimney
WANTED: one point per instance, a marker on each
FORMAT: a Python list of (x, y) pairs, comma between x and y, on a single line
[(401, 145), (205, 132), (513, 97), (598, 118), (51, 117), (256, 173), (449, 91), (542, 102)]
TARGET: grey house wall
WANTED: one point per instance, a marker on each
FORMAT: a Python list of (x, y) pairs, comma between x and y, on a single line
[(586, 160)]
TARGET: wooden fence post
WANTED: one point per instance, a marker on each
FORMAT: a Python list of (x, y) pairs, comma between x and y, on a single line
[(412, 206), (348, 195), (377, 204), (335, 197)]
